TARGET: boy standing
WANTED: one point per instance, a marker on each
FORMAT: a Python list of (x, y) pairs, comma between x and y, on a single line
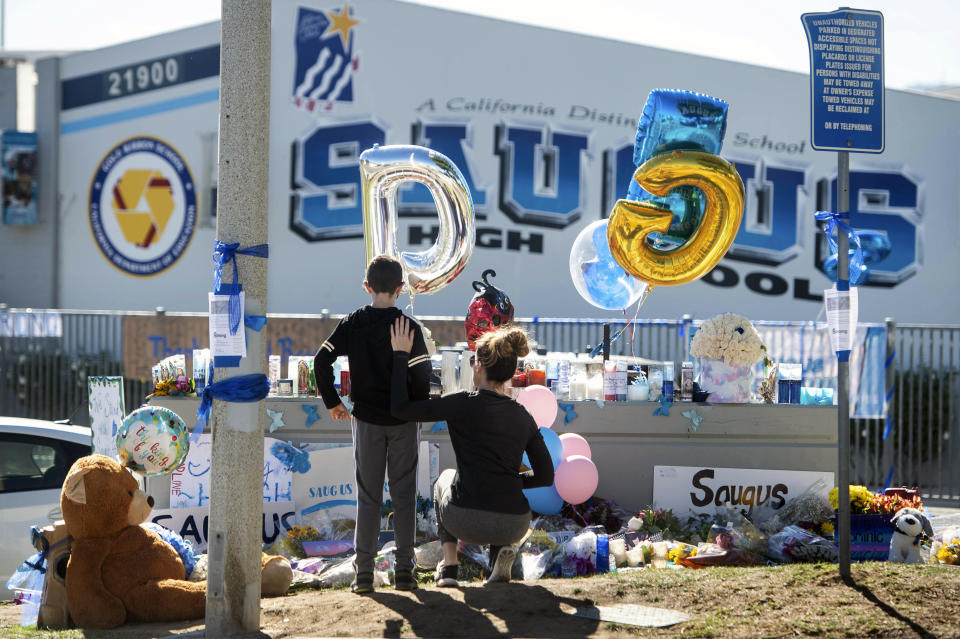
[(380, 441)]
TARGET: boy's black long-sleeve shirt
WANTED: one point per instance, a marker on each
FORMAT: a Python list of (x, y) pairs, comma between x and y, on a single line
[(364, 337), (489, 432)]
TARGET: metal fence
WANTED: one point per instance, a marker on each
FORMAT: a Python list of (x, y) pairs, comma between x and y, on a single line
[(44, 365), (43, 374)]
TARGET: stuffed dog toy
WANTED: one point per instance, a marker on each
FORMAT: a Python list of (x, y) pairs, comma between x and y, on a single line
[(905, 543)]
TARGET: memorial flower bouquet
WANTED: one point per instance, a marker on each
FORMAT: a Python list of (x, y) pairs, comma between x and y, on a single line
[(179, 387), (727, 346), (863, 501), (730, 338), (948, 552)]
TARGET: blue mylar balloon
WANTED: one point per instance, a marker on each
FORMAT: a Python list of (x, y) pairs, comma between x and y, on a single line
[(874, 246), (554, 447), (677, 120), (544, 500)]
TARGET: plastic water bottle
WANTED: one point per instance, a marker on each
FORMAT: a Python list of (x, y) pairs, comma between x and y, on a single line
[(562, 388), (603, 554), (668, 379)]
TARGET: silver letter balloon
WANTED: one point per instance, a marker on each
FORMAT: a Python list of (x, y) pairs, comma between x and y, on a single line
[(383, 169)]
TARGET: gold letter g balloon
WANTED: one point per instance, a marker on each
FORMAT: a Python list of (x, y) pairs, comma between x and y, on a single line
[(631, 222)]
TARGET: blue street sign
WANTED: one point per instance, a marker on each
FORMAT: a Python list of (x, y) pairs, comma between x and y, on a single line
[(846, 80)]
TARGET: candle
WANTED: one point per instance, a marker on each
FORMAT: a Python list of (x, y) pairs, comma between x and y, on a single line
[(638, 392), (618, 548), (635, 556)]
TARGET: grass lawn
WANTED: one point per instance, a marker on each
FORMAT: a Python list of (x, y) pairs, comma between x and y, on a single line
[(884, 600)]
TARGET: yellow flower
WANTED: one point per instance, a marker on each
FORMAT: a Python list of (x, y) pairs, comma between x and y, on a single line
[(827, 528), (860, 498), (944, 555)]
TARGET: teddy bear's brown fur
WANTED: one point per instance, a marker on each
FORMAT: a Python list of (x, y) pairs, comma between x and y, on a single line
[(118, 570)]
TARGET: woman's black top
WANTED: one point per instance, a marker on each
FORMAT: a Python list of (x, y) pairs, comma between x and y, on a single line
[(489, 432)]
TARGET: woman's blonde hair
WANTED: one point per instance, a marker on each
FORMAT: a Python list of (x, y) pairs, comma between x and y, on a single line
[(499, 350)]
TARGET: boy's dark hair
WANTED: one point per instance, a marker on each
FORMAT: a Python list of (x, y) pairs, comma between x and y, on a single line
[(384, 274)]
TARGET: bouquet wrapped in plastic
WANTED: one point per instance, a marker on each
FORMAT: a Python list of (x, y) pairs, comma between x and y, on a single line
[(795, 544), (809, 508)]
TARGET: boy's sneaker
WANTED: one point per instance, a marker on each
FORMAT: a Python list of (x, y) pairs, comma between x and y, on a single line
[(404, 580), (362, 583), (503, 564), (447, 576)]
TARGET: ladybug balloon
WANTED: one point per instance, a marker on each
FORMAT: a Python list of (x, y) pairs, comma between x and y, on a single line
[(489, 309)]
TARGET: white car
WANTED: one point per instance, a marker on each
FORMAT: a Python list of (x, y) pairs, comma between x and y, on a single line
[(35, 456)]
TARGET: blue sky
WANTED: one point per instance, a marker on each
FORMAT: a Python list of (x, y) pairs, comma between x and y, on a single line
[(922, 47)]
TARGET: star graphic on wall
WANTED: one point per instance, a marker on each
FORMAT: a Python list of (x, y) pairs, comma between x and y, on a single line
[(341, 23)]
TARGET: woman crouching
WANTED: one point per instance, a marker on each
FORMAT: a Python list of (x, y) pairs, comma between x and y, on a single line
[(482, 501)]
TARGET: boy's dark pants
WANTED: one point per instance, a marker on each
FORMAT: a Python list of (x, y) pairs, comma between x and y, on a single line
[(392, 449)]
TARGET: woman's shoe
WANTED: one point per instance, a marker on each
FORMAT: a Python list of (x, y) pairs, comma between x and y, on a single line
[(447, 576), (503, 565)]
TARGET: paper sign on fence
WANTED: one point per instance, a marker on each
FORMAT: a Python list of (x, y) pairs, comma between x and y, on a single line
[(107, 411)]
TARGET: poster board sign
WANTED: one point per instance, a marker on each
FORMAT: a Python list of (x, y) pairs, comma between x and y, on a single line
[(846, 80), (328, 490), (190, 482), (193, 523), (701, 489), (106, 406), (19, 151)]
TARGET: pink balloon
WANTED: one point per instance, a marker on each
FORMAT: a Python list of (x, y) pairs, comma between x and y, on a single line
[(541, 403), (574, 444), (576, 479)]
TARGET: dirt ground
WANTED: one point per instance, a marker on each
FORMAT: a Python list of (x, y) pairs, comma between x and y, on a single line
[(885, 600)]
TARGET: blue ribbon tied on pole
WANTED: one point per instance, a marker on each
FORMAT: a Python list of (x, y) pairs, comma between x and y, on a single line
[(223, 254), (836, 225), (243, 388)]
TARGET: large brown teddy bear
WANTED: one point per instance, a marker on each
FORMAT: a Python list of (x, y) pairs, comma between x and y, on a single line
[(118, 570)]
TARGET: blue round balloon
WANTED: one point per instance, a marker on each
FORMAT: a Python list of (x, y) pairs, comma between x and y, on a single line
[(554, 447), (597, 276), (544, 500)]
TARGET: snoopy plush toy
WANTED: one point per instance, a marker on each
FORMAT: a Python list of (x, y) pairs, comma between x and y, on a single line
[(905, 543)]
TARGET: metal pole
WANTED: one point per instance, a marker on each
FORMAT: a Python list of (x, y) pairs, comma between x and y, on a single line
[(890, 380), (236, 497), (843, 378)]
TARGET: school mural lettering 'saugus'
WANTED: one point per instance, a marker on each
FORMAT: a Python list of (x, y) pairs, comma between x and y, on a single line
[(736, 494), (325, 204)]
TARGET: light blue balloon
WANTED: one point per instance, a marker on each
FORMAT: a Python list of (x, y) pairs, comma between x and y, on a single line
[(544, 500), (554, 447), (596, 275)]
